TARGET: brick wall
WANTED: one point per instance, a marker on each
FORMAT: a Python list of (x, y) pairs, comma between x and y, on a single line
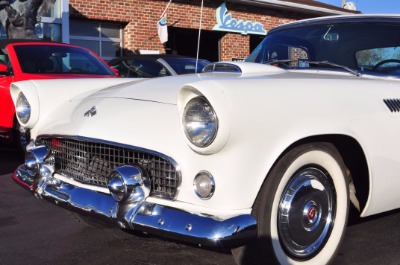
[(140, 18), (234, 46)]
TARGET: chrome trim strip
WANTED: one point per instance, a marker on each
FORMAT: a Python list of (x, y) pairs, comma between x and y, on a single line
[(336, 19), (149, 217), (73, 182)]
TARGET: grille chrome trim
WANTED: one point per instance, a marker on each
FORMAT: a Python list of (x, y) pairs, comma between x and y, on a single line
[(90, 161)]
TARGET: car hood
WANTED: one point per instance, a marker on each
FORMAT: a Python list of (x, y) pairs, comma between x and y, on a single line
[(103, 112), (163, 90), (166, 89)]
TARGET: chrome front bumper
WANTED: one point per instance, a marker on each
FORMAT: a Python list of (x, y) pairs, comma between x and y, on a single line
[(141, 215)]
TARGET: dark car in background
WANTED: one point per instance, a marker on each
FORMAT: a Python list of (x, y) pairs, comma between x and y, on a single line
[(156, 65)]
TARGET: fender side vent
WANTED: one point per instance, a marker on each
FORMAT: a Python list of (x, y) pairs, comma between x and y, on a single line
[(393, 104)]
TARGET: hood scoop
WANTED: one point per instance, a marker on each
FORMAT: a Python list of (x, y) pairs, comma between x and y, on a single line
[(242, 68), (222, 67)]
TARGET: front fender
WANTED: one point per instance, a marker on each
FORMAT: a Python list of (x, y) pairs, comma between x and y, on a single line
[(46, 95)]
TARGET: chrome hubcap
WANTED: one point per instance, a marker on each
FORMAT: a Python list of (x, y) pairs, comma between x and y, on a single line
[(311, 216), (306, 213)]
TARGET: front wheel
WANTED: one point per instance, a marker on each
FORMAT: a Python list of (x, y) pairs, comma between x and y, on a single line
[(301, 210)]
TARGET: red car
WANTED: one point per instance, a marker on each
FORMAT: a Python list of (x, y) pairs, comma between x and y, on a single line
[(23, 60)]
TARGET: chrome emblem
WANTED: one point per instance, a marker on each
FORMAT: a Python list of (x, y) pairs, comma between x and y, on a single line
[(91, 112)]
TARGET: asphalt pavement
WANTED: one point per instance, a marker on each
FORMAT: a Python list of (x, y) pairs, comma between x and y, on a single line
[(33, 232)]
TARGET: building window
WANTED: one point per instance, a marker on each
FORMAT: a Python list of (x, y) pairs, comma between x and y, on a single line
[(50, 26), (105, 39), (49, 31), (55, 10)]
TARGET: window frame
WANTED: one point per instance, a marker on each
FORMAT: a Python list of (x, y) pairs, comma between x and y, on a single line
[(100, 39)]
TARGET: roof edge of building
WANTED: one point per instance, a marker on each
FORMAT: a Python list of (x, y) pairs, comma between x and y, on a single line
[(292, 6)]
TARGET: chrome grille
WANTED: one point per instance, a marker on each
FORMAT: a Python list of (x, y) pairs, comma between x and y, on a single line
[(91, 162)]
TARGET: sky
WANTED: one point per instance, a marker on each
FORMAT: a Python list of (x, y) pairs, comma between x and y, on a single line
[(370, 6)]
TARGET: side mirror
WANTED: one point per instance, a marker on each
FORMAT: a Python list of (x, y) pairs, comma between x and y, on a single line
[(3, 68)]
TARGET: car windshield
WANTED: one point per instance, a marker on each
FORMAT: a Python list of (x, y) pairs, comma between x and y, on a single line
[(157, 67), (140, 68), (358, 47), (52, 59), (186, 65)]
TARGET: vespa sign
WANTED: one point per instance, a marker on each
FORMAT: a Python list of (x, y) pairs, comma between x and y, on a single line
[(229, 24)]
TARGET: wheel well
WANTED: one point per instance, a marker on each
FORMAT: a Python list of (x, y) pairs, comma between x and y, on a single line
[(15, 121), (16, 135), (15, 126), (354, 159)]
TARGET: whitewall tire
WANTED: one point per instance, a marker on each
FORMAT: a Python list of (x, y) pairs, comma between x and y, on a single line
[(301, 210)]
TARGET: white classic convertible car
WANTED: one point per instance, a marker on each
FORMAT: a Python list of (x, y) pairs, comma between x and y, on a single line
[(266, 157)]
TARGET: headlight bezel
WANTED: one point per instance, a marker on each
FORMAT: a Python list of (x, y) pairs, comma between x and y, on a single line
[(23, 112), (201, 135)]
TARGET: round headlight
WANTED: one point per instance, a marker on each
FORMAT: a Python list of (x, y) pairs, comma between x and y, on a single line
[(204, 185), (23, 108), (200, 122)]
